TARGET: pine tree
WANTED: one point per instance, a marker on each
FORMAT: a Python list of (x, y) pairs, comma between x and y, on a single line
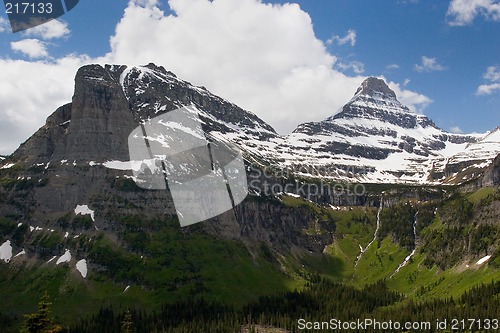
[(127, 323), (40, 321)]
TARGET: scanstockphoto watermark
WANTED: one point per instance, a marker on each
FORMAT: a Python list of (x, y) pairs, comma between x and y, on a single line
[(438, 325), (207, 176), (276, 182), (25, 14), (361, 325)]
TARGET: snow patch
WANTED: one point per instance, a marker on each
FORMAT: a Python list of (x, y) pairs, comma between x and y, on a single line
[(483, 260), (81, 266), (6, 251), (126, 288), (20, 253), (66, 257), (52, 259), (118, 165), (8, 166), (84, 210)]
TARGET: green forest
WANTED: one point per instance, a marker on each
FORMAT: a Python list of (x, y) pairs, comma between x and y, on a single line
[(320, 301)]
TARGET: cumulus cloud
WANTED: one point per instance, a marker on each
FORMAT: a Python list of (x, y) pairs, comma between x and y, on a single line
[(488, 89), (356, 66), (492, 74), (429, 65), (28, 99), (463, 12), (277, 68), (50, 30), (32, 48), (350, 37), (415, 101)]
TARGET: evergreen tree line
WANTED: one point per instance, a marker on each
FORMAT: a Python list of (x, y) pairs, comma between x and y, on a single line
[(321, 300)]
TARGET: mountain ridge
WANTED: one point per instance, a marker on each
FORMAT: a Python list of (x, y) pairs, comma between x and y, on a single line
[(373, 134)]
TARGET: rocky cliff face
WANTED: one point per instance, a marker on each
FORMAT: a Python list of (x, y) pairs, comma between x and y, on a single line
[(492, 174)]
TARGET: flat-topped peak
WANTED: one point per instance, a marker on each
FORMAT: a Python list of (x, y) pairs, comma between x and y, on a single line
[(374, 86)]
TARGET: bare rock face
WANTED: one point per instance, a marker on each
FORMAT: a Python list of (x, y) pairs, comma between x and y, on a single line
[(492, 175)]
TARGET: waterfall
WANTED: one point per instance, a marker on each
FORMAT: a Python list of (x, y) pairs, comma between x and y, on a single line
[(401, 265)]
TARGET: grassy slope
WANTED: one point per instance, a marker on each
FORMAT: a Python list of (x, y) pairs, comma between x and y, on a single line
[(383, 257), (197, 266), (179, 267)]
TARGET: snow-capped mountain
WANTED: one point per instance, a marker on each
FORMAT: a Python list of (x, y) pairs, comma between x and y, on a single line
[(373, 138)]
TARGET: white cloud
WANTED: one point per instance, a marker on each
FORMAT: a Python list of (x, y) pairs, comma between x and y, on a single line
[(456, 130), (487, 89), (279, 60), (32, 48), (415, 101), (50, 30), (356, 66), (33, 91), (463, 12), (4, 25), (392, 66), (276, 68), (492, 73), (405, 83), (429, 65), (350, 37)]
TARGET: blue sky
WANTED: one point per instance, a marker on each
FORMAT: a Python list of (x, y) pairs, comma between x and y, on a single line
[(276, 59)]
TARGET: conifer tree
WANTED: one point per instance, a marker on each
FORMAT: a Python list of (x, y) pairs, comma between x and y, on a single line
[(40, 321), (127, 323)]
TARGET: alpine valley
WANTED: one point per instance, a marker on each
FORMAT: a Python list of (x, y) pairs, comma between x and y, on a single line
[(374, 212)]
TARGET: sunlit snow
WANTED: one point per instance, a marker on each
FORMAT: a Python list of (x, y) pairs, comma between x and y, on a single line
[(6, 251), (66, 257), (483, 260), (81, 266), (84, 210)]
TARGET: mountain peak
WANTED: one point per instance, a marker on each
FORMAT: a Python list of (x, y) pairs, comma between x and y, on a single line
[(373, 86)]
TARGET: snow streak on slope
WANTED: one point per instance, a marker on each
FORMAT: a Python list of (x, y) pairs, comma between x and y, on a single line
[(358, 258)]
